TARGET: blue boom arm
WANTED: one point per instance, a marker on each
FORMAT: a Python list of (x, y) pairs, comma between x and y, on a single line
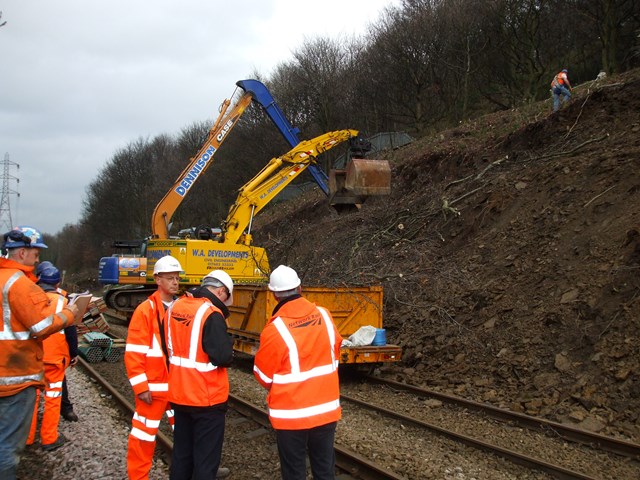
[(262, 96)]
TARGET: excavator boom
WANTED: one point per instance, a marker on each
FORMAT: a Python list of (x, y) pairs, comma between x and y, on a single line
[(271, 180), (197, 166)]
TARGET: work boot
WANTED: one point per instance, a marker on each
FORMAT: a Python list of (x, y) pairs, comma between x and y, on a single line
[(49, 447), (70, 416), (223, 472)]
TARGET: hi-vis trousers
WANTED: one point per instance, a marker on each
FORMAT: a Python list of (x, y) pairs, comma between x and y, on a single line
[(142, 439), (53, 376)]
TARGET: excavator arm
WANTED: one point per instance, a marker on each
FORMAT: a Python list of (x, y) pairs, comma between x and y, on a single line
[(262, 96), (197, 166), (253, 91), (270, 181)]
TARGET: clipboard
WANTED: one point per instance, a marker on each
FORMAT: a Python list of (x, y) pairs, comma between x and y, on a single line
[(82, 301)]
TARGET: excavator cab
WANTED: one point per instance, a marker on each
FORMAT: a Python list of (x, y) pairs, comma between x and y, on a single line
[(361, 178)]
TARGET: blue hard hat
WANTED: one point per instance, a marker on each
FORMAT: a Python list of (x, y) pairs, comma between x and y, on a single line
[(48, 273), (42, 265), (24, 236)]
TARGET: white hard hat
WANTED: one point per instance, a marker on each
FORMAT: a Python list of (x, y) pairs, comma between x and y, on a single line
[(167, 264), (222, 277), (283, 278)]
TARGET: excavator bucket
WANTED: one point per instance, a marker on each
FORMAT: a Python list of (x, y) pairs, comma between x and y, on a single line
[(362, 178)]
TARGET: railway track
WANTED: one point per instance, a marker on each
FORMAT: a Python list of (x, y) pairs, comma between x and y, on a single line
[(387, 426), (601, 442), (615, 458), (349, 463)]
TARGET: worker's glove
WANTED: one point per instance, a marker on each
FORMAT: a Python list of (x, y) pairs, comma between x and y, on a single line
[(73, 362)]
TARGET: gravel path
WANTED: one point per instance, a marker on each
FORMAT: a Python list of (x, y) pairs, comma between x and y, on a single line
[(97, 442)]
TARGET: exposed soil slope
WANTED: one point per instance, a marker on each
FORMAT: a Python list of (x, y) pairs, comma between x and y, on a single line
[(509, 251)]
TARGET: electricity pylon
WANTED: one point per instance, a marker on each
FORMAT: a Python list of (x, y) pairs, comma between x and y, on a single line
[(6, 222)]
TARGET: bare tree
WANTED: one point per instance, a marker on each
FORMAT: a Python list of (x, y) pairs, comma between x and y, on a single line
[(616, 22)]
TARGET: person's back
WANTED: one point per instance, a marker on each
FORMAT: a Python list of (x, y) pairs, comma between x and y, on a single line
[(304, 370), (297, 362), (190, 370), (560, 88)]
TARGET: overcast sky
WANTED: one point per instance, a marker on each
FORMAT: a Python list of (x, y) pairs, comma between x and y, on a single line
[(80, 79)]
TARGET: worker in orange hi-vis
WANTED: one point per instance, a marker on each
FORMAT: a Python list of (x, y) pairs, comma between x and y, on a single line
[(57, 357), (560, 89), (146, 363), (297, 362), (28, 320)]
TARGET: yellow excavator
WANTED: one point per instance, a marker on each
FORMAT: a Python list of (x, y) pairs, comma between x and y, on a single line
[(229, 248)]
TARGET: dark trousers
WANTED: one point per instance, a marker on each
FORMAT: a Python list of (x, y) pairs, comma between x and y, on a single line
[(197, 442), (293, 446), (66, 405), (16, 413)]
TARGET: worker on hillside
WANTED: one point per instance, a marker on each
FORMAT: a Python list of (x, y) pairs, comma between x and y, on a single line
[(28, 320), (297, 362), (147, 367), (60, 351), (560, 88), (200, 349)]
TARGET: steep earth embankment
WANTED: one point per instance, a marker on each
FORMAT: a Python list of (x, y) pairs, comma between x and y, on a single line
[(509, 251)]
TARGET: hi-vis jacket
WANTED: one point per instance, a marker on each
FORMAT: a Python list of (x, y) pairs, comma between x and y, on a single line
[(145, 362), (27, 319), (298, 362), (56, 348), (193, 379), (560, 79)]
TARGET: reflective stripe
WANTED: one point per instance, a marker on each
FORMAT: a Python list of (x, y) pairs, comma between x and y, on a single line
[(146, 421), (262, 376), (193, 344), (48, 321), (296, 375), (60, 306), (155, 350), (195, 330), (42, 325), (136, 432), (158, 387), (53, 393), (332, 334), (138, 379), (36, 377), (7, 333), (291, 344), (136, 348), (302, 376), (55, 385), (169, 413), (306, 412), (188, 363)]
